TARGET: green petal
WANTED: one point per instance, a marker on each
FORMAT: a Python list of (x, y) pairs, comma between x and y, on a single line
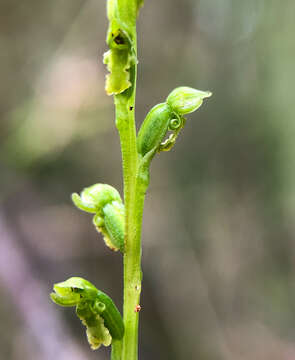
[(184, 100)]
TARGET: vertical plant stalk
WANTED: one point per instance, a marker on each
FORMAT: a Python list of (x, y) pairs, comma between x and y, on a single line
[(116, 349), (133, 199)]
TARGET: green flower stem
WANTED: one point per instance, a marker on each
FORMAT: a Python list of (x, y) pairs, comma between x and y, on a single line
[(133, 209), (133, 199), (116, 349)]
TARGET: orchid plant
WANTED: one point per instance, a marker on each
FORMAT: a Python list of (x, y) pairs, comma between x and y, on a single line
[(120, 222)]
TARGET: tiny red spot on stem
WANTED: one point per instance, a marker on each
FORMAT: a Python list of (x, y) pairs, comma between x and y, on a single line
[(137, 308)]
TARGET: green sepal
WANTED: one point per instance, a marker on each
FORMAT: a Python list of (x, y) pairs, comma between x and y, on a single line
[(184, 100), (95, 197), (72, 291), (83, 205)]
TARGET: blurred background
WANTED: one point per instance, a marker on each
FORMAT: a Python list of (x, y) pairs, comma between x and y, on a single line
[(218, 231)]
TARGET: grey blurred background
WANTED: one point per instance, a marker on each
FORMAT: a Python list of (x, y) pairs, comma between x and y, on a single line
[(218, 232)]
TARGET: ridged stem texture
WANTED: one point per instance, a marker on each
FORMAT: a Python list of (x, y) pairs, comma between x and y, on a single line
[(133, 198)]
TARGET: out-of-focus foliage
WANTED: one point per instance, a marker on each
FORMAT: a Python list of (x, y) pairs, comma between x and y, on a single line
[(218, 227)]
